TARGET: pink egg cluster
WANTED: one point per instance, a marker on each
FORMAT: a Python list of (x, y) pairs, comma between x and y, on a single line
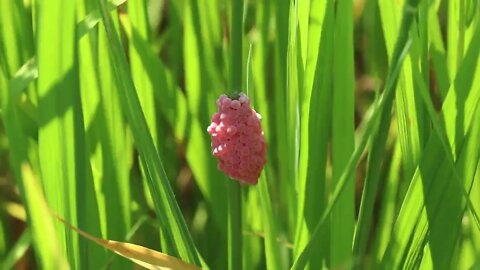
[(237, 139)]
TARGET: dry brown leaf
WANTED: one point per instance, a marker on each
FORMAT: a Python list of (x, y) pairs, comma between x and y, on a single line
[(145, 257)]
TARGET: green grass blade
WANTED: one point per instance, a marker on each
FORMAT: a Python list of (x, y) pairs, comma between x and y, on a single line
[(43, 231), (18, 250), (315, 133), (44, 236), (167, 209), (401, 49), (105, 146), (140, 33), (409, 112), (371, 184), (29, 71), (409, 125), (3, 239), (272, 250), (199, 86), (253, 226), (115, 143), (22, 78), (61, 130), (343, 144), (455, 36), (437, 50), (109, 100), (445, 208), (280, 139), (389, 205), (295, 71), (139, 22), (429, 185), (91, 19), (150, 73), (443, 235), (175, 15), (107, 141), (13, 51), (473, 233), (15, 30), (234, 217), (442, 245)]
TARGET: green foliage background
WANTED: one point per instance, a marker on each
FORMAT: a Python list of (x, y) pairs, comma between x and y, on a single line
[(370, 110)]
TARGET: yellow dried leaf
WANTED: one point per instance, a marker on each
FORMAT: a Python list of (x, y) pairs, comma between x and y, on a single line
[(148, 258)]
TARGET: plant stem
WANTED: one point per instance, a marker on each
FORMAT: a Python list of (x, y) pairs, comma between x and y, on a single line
[(234, 188), (234, 225), (236, 42)]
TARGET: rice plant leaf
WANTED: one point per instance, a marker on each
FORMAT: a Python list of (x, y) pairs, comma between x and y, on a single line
[(371, 184), (44, 235), (295, 73), (432, 183), (165, 92), (462, 135), (314, 132), (371, 127), (455, 37), (61, 132), (15, 210), (437, 50), (17, 251), (145, 257), (22, 78), (234, 199), (201, 91), (139, 33), (280, 118), (153, 81), (443, 201), (409, 112), (16, 47), (272, 250), (342, 219), (406, 108), (16, 43), (166, 208), (108, 148), (29, 71), (93, 17), (389, 201)]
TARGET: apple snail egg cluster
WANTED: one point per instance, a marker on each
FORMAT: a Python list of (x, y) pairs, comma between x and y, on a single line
[(237, 139)]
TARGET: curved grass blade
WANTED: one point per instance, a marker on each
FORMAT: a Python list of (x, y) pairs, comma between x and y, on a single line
[(315, 131), (145, 257), (17, 251), (168, 212), (272, 251), (44, 235)]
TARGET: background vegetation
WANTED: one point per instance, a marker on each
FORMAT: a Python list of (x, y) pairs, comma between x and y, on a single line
[(370, 110)]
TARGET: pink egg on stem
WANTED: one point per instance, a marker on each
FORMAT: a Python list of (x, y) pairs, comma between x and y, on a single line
[(237, 139)]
